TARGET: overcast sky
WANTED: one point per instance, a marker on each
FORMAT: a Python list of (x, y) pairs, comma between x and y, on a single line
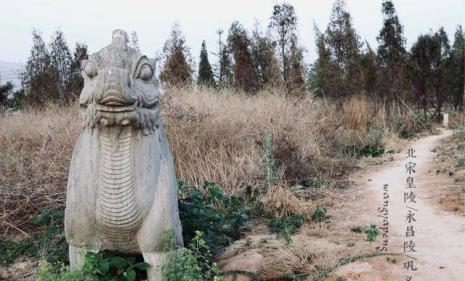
[(91, 21)]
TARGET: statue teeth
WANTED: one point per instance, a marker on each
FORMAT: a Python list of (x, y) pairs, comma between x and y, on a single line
[(107, 108)]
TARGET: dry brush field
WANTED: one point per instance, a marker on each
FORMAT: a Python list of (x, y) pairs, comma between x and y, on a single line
[(214, 136)]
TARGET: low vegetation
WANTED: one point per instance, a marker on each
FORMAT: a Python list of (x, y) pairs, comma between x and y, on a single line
[(219, 217), (192, 263), (105, 266)]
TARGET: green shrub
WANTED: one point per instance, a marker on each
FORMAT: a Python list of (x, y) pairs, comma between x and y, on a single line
[(371, 232), (356, 229), (104, 266), (193, 263), (319, 214), (51, 242), (111, 266), (373, 151), (59, 272), (48, 242), (16, 101), (220, 217), (286, 226), (10, 250), (268, 160), (315, 183), (460, 136)]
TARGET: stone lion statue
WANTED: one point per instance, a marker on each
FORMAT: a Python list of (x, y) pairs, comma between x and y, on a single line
[(122, 192)]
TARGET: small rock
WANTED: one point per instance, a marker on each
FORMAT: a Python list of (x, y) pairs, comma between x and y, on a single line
[(354, 271), (4, 274), (249, 261), (239, 277), (20, 268)]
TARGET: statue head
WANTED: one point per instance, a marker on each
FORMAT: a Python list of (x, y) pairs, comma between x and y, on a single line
[(119, 87), (119, 37)]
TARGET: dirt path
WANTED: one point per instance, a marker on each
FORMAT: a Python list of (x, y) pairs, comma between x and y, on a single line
[(439, 236)]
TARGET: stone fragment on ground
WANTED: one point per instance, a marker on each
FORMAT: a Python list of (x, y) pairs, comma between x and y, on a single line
[(18, 271)]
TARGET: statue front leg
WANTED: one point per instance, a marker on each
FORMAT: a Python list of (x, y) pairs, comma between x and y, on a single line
[(156, 261), (76, 257)]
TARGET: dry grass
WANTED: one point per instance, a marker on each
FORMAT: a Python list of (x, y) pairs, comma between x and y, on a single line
[(214, 136), (359, 113), (218, 136), (35, 149), (280, 202)]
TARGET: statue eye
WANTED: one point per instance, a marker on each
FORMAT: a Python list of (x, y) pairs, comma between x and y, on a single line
[(145, 72), (89, 70)]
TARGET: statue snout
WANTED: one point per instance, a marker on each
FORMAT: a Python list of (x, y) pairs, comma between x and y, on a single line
[(116, 88)]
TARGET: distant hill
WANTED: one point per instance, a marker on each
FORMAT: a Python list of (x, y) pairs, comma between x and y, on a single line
[(9, 71)]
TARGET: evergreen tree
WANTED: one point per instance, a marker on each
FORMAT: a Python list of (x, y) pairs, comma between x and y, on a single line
[(245, 77), (296, 80), (443, 84), (10, 99), (343, 48), (226, 68), (391, 55), (76, 82), (37, 79), (60, 62), (430, 64), (421, 72), (369, 70), (5, 90), (177, 70), (205, 76), (264, 60), (323, 72), (458, 69), (284, 23)]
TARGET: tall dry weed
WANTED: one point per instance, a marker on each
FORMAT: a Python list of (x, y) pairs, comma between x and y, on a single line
[(358, 113), (218, 136), (35, 149)]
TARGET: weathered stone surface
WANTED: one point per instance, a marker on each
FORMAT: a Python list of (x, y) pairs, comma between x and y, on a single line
[(4, 273), (249, 262), (237, 278), (19, 268), (445, 120), (23, 270), (121, 193)]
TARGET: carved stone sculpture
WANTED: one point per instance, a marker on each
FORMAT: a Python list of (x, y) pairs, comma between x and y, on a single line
[(121, 193)]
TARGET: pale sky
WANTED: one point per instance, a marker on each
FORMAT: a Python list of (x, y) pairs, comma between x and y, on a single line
[(92, 21)]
